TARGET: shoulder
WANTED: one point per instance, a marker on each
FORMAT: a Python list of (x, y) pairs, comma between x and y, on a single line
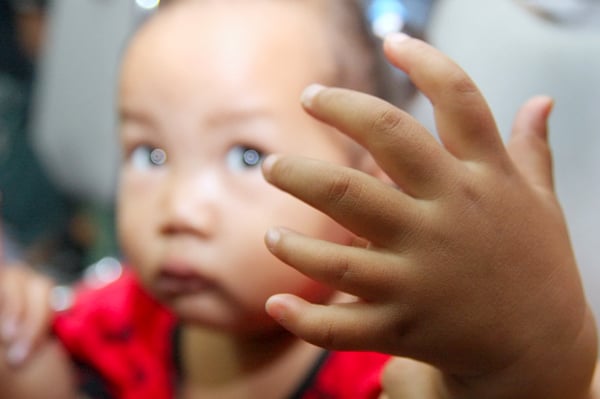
[(350, 374), (121, 333), (122, 301), (118, 311)]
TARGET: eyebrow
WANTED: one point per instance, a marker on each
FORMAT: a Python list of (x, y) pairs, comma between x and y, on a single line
[(125, 114), (225, 118), (240, 115), (135, 125)]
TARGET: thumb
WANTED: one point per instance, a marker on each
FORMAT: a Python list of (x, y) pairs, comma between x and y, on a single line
[(528, 145)]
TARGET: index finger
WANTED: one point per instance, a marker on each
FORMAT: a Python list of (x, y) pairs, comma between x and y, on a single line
[(401, 146)]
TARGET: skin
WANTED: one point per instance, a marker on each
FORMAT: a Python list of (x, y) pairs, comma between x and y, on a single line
[(469, 268), (199, 218), (507, 320), (48, 366), (24, 311), (201, 215)]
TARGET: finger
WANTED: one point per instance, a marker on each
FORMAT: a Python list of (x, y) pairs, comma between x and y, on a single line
[(359, 202), (36, 323), (12, 307), (347, 326), (402, 147), (361, 272), (528, 145), (465, 124), (5, 281), (360, 242)]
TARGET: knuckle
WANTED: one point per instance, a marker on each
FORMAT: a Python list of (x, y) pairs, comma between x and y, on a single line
[(460, 83), (343, 270), (387, 121), (470, 194), (328, 337), (341, 190)]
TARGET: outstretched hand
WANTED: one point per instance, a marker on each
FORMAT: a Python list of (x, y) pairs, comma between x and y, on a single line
[(468, 267)]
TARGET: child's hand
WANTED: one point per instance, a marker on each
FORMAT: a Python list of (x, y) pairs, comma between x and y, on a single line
[(25, 312), (468, 268)]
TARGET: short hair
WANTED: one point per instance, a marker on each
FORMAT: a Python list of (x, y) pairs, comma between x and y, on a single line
[(361, 62)]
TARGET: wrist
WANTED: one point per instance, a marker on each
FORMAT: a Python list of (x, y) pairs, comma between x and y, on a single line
[(546, 371)]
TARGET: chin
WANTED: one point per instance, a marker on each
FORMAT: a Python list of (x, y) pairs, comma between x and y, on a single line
[(217, 314)]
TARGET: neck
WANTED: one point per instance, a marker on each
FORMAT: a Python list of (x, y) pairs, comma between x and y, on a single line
[(222, 364)]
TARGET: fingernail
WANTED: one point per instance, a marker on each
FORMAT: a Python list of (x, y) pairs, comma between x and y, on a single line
[(396, 38), (272, 237), (309, 94), (267, 164), (276, 307), (283, 307), (8, 329), (16, 353)]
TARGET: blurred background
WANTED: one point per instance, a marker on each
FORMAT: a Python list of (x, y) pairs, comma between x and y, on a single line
[(58, 73)]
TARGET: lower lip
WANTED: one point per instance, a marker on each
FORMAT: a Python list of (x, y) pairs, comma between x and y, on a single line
[(170, 286)]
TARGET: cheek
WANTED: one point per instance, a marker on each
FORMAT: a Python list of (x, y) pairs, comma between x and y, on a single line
[(270, 207), (265, 275), (262, 274), (298, 216), (134, 221), (137, 198)]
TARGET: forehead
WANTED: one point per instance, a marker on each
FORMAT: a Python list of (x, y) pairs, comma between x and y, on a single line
[(226, 52), (282, 34)]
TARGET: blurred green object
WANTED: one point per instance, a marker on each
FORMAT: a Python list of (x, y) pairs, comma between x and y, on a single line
[(32, 207)]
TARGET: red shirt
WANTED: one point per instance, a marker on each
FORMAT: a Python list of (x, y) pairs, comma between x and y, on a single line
[(126, 338)]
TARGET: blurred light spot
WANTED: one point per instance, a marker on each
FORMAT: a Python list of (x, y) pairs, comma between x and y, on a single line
[(105, 271), (386, 16), (147, 4), (61, 298), (158, 156)]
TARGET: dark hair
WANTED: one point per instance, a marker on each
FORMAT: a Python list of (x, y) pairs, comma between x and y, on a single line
[(13, 60), (359, 53)]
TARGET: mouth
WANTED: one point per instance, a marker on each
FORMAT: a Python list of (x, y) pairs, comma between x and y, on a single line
[(176, 279)]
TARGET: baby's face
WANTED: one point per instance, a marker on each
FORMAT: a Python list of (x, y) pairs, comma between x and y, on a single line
[(206, 93)]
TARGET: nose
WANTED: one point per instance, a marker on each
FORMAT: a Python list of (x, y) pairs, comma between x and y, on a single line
[(190, 204)]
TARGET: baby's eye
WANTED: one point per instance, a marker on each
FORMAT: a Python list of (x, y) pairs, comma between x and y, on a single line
[(241, 157), (144, 157)]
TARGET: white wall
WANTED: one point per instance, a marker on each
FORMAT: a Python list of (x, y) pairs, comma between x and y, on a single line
[(75, 121)]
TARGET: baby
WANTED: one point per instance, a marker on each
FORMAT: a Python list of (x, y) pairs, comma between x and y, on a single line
[(467, 268)]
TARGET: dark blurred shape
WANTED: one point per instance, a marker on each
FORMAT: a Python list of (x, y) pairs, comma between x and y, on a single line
[(36, 215), (579, 14), (13, 60)]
